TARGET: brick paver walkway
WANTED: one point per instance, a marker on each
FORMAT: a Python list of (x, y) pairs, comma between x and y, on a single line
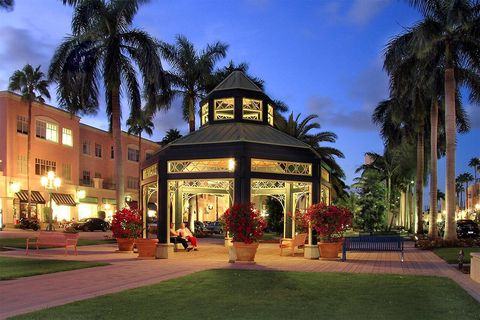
[(125, 272)]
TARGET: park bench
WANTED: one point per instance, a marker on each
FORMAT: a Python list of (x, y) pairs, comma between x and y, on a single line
[(54, 239), (371, 244), (297, 241)]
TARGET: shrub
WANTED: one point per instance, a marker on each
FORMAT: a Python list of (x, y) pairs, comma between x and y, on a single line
[(330, 222), (127, 223), (244, 223)]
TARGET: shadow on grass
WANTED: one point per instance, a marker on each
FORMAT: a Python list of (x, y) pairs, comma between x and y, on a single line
[(244, 294)]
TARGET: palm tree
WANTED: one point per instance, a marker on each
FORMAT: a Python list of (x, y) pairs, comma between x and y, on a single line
[(475, 164), (449, 31), (32, 86), (6, 4), (465, 178), (190, 71), (104, 46), (140, 121), (300, 129), (459, 188), (171, 135)]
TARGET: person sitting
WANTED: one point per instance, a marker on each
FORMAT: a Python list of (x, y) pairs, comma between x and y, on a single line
[(175, 237), (185, 233)]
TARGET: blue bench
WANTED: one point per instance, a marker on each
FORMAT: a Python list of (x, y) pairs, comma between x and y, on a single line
[(371, 244)]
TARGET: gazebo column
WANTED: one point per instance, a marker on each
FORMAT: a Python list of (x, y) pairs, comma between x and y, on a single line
[(311, 249), (163, 223), (242, 180)]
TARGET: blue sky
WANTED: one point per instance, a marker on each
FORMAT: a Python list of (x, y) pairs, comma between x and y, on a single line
[(322, 57)]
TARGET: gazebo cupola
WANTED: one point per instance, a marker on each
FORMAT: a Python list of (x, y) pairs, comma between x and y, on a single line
[(236, 99)]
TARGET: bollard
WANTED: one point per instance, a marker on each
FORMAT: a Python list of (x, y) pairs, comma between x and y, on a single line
[(461, 256)]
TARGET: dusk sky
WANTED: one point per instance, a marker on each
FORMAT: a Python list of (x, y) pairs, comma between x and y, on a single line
[(322, 57)]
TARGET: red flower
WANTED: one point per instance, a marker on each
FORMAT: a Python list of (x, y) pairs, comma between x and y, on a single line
[(244, 223), (127, 223), (330, 222)]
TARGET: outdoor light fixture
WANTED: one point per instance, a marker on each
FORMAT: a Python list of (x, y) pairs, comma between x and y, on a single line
[(81, 194), (231, 164), (50, 182), (477, 206)]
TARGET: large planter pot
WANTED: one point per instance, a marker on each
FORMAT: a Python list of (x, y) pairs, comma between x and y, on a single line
[(146, 248), (328, 250), (125, 244), (245, 252)]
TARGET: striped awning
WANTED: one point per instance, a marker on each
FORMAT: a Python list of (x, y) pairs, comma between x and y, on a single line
[(36, 196), (62, 199)]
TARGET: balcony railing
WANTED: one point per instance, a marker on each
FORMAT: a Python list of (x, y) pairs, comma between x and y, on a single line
[(86, 182), (108, 185)]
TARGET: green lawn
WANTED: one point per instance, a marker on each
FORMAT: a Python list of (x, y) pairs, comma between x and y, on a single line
[(21, 242), (451, 254), (234, 294), (12, 268)]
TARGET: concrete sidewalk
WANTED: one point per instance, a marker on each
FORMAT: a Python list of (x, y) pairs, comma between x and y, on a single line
[(126, 272)]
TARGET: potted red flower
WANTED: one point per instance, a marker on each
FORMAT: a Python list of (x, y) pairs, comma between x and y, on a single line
[(126, 227), (245, 225), (330, 222)]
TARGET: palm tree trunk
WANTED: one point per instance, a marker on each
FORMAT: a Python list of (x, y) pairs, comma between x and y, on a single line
[(432, 230), (389, 213), (420, 171), (466, 196), (140, 201), (191, 113), (117, 145), (29, 147), (450, 123)]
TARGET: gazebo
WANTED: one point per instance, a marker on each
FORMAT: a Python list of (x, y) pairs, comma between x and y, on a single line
[(237, 155)]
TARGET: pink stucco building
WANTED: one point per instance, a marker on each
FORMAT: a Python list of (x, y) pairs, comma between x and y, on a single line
[(79, 154)]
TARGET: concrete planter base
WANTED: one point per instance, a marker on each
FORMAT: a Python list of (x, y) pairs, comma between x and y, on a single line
[(311, 252), (475, 266)]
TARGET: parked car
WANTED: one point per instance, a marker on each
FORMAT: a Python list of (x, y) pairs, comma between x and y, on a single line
[(467, 229), (91, 224), (215, 227), (200, 227)]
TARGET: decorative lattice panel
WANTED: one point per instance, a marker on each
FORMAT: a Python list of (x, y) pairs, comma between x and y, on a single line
[(267, 184), (149, 171), (270, 115), (282, 167), (252, 109), (188, 166), (204, 114), (325, 174), (224, 109), (202, 184)]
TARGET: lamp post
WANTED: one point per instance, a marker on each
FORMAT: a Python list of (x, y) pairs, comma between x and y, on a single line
[(50, 182)]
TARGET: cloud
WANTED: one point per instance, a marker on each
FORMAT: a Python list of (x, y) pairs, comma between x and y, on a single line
[(364, 91), (19, 47), (171, 119), (355, 12), (332, 114), (362, 11)]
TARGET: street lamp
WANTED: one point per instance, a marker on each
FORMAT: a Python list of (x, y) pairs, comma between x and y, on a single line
[(50, 182)]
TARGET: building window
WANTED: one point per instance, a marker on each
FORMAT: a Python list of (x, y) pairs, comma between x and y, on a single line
[(67, 171), (86, 147), (148, 155), (282, 167), (67, 138), (204, 114), (98, 150), (22, 124), (270, 115), (224, 109), (252, 109), (47, 130), (42, 167), (86, 177), (112, 153), (133, 154), (21, 164), (132, 183)]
